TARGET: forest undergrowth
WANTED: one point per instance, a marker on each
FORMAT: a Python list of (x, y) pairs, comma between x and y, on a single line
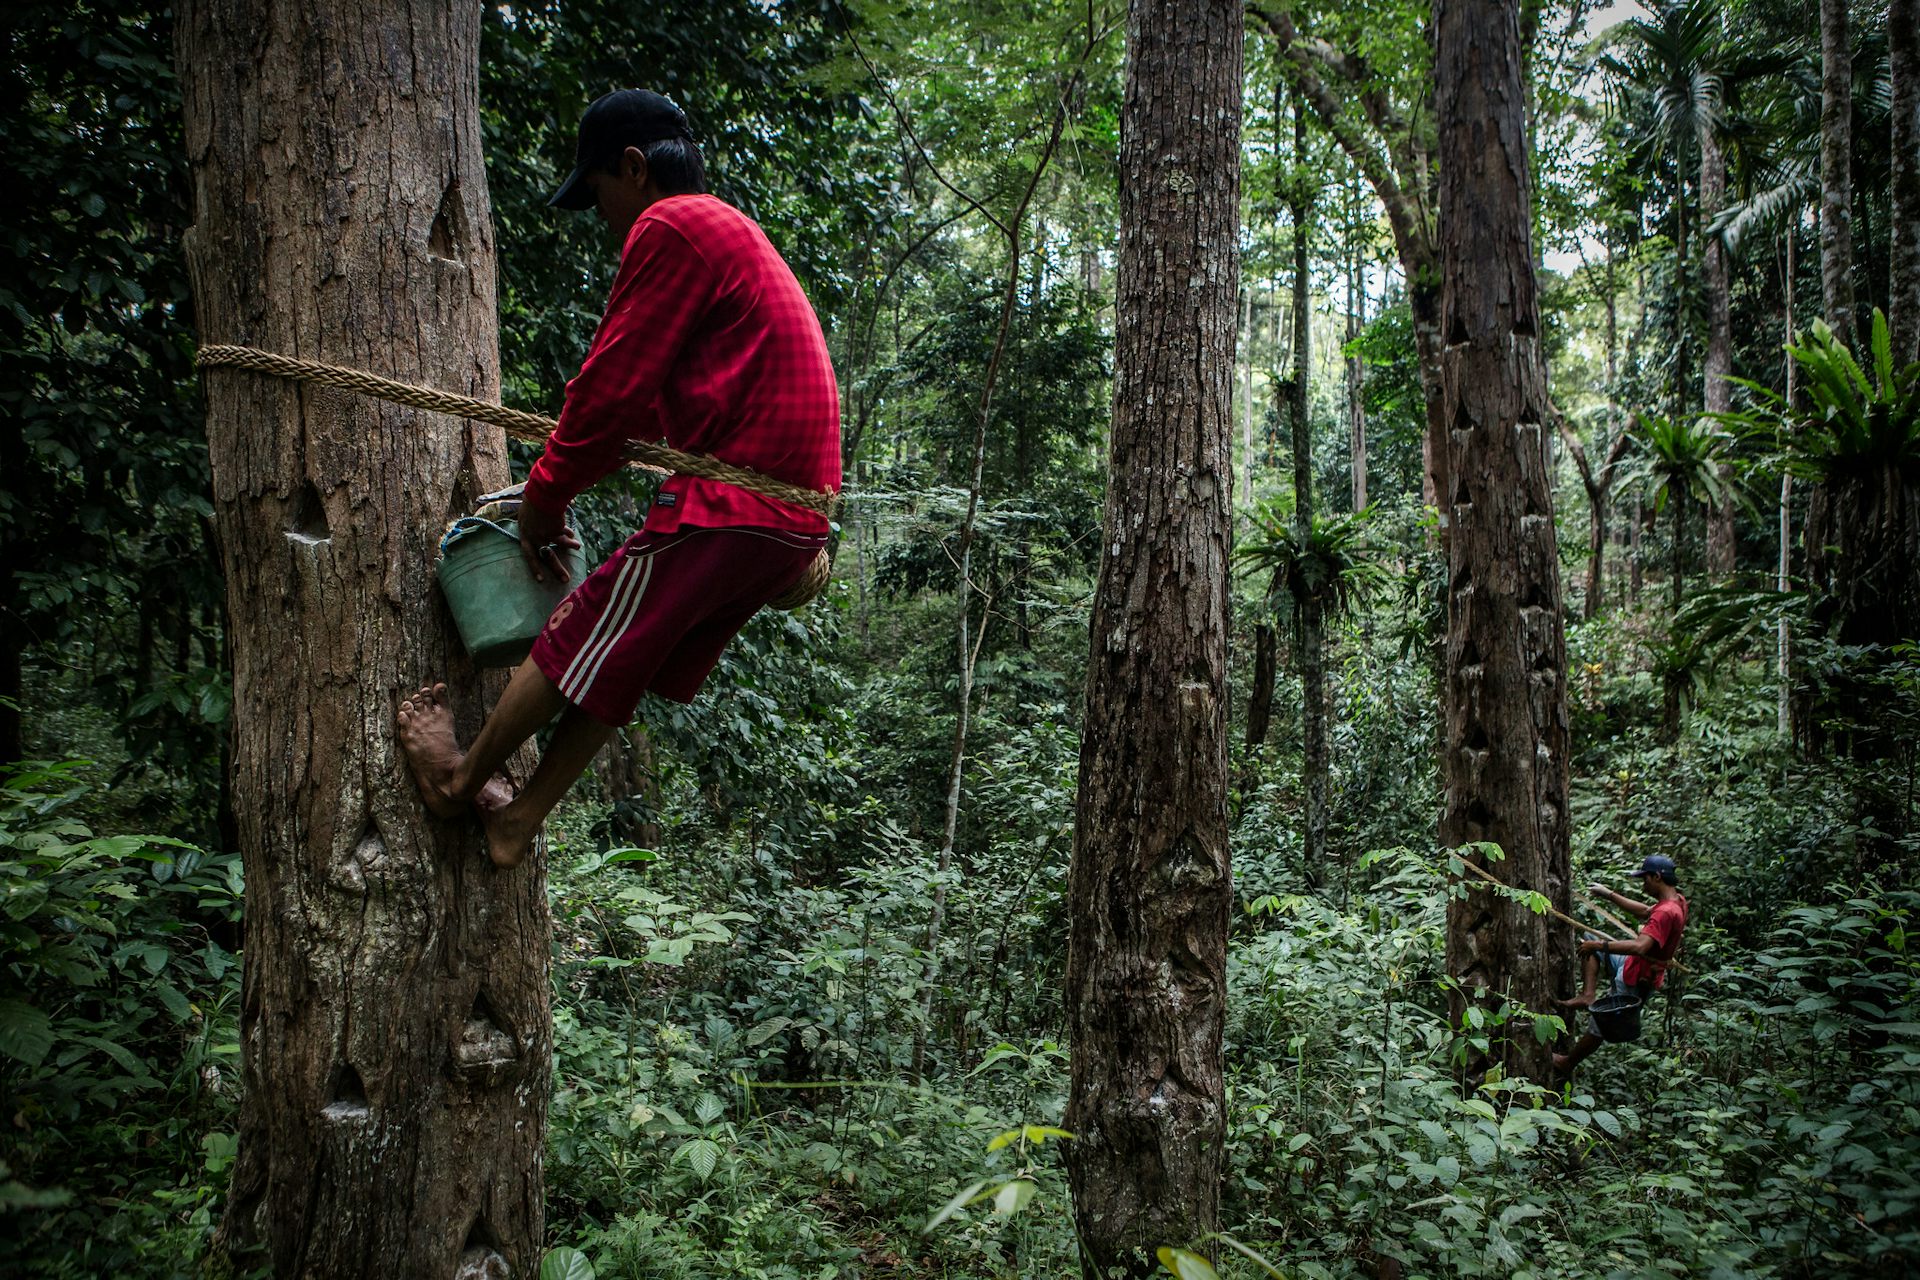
[(736, 1006)]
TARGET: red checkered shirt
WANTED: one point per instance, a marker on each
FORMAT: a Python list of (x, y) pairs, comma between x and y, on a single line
[(709, 342)]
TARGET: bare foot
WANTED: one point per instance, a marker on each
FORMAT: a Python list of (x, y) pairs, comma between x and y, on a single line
[(426, 735), (1581, 1001), (1563, 1065), (509, 836)]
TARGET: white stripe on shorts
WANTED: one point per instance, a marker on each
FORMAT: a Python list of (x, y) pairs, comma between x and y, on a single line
[(627, 609), (599, 626)]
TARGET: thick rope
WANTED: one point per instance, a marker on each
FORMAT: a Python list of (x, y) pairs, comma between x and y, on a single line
[(531, 427)]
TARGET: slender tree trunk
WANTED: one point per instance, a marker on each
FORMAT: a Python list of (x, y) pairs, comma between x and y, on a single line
[(1149, 891), (1356, 369), (1721, 548), (1246, 399), (1636, 575), (396, 1046), (1505, 762), (1309, 610), (1266, 660), (1677, 579), (1903, 293), (1682, 339), (1836, 178), (1783, 569)]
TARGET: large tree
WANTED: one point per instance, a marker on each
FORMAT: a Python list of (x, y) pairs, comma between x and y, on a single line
[(1903, 80), (1505, 759), (395, 1035), (1836, 173), (1149, 888)]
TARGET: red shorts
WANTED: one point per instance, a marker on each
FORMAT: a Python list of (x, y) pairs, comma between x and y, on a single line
[(656, 616)]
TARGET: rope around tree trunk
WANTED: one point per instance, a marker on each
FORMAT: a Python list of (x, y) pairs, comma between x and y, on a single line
[(535, 428)]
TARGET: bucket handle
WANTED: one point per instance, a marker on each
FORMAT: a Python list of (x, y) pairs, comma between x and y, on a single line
[(467, 524)]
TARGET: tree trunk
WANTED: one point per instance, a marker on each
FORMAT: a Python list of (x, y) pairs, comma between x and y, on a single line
[(396, 1045), (1903, 294), (1836, 180), (1266, 658), (1783, 579), (1246, 399), (1506, 696), (1721, 548), (1356, 370), (1682, 350), (1309, 610), (1149, 891), (1677, 578)]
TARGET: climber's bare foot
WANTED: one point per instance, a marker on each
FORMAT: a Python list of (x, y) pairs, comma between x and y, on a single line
[(509, 833), (1581, 1001), (426, 735), (1563, 1065)]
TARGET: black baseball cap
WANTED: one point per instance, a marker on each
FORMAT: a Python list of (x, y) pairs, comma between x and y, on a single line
[(618, 120), (1655, 864)]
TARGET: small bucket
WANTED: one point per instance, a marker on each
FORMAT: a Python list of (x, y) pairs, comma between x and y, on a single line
[(1616, 1018), (496, 603)]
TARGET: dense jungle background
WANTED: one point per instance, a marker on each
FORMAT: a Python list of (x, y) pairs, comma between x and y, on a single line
[(807, 992)]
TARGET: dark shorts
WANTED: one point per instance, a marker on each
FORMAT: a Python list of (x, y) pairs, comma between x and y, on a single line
[(657, 615)]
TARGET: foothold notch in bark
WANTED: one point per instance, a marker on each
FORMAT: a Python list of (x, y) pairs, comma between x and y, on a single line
[(446, 239), (348, 1093), (307, 517), (485, 1049), (480, 1257)]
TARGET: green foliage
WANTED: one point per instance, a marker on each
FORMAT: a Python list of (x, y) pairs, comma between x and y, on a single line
[(1856, 425), (1332, 562), (104, 516), (122, 994)]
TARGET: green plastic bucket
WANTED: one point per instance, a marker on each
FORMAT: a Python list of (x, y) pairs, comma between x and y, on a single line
[(496, 603)]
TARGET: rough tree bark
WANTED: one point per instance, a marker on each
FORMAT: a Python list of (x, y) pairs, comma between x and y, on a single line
[(1356, 368), (1149, 889), (1903, 295), (1836, 176), (1506, 696), (1721, 548), (395, 1035), (1309, 611)]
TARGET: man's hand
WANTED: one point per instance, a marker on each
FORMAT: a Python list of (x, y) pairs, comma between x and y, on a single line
[(1599, 890), (542, 536), (1591, 946)]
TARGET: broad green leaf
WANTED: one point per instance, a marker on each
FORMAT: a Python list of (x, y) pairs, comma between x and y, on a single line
[(1011, 1197), (703, 1156), (26, 1034), (1185, 1264), (765, 1031), (565, 1264)]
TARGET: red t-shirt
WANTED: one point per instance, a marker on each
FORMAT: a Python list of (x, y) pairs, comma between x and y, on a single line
[(1664, 926), (708, 341)]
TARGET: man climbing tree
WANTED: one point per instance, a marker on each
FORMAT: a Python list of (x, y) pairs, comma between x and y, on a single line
[(395, 1042), (1638, 964), (1149, 888), (1505, 758), (707, 339)]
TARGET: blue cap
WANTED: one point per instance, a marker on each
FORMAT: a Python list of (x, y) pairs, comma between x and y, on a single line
[(1655, 864)]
